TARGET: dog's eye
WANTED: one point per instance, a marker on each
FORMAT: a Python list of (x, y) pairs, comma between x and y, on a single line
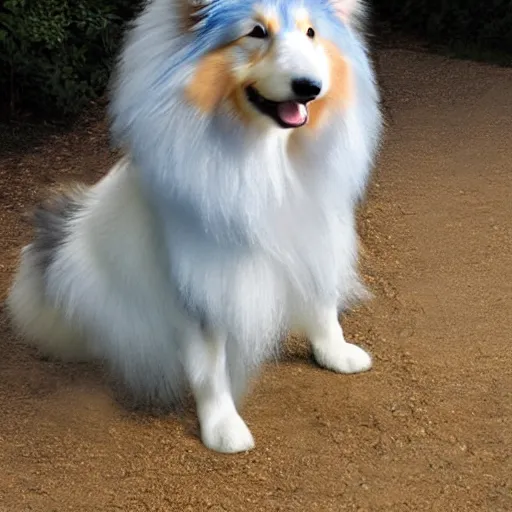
[(258, 32), (310, 33)]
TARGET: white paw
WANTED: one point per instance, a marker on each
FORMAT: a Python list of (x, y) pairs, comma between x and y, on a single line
[(343, 358), (227, 435)]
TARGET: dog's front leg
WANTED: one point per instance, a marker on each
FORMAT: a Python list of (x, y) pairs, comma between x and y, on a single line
[(222, 428), (329, 346)]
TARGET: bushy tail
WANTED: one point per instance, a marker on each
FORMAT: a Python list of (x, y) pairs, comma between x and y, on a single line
[(30, 310)]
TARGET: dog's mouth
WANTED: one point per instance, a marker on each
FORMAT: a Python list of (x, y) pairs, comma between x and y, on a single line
[(287, 114)]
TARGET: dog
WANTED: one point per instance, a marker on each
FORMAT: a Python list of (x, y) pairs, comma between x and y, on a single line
[(249, 128)]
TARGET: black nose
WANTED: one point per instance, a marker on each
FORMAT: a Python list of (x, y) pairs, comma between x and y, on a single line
[(306, 88)]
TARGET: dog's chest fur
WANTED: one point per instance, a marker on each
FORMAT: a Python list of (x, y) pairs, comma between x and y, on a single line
[(272, 248)]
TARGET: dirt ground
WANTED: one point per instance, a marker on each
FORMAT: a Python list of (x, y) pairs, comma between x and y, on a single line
[(428, 429)]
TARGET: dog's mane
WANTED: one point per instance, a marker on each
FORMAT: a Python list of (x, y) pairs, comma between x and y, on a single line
[(211, 169)]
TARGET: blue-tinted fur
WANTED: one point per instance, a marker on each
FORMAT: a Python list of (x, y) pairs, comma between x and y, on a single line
[(208, 222)]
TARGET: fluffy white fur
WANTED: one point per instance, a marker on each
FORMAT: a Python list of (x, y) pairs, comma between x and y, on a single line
[(191, 259)]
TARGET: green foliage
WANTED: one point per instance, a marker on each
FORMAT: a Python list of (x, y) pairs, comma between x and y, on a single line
[(482, 25), (55, 55)]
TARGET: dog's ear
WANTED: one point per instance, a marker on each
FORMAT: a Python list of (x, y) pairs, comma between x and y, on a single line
[(350, 11), (192, 12), (198, 4)]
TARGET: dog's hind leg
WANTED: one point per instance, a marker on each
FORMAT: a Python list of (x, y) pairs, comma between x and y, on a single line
[(222, 428)]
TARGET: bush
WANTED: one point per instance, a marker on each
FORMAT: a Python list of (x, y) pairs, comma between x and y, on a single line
[(56, 55), (485, 26)]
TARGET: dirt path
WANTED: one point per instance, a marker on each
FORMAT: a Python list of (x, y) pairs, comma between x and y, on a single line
[(429, 429)]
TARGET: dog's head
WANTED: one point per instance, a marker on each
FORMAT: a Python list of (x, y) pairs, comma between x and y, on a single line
[(272, 62)]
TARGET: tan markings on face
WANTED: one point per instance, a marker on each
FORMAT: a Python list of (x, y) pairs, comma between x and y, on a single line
[(302, 20), (256, 55), (340, 92), (239, 106), (212, 81), (215, 83), (268, 18), (272, 24)]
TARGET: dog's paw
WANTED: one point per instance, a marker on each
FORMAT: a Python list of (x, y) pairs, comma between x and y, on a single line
[(227, 435), (343, 358)]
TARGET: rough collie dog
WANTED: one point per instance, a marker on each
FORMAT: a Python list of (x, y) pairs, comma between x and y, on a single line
[(250, 127)]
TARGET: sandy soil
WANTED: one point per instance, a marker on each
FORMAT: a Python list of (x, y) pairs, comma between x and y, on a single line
[(428, 429)]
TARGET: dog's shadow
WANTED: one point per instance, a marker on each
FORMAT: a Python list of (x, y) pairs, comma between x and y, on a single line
[(28, 375)]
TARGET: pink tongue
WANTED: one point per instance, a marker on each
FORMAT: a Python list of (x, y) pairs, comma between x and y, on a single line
[(292, 113)]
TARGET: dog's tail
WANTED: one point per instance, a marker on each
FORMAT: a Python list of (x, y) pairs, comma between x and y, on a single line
[(32, 312)]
